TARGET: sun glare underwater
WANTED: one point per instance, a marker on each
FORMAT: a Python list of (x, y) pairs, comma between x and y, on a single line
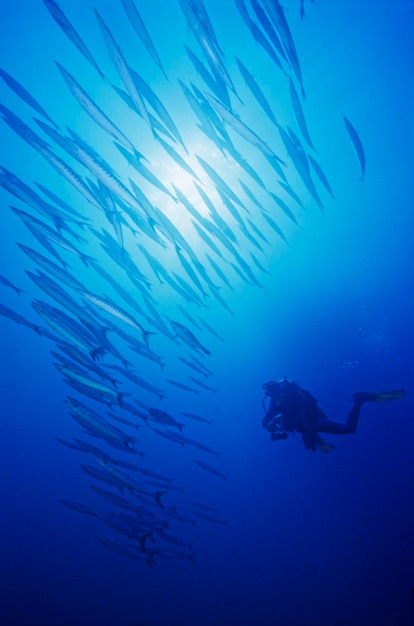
[(199, 197)]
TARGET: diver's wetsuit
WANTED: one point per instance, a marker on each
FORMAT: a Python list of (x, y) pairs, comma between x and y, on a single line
[(293, 409)]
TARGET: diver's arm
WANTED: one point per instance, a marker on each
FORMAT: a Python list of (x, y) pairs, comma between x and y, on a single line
[(273, 421), (270, 414), (267, 419)]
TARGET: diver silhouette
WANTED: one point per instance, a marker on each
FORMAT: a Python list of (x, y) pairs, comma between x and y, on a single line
[(293, 409)]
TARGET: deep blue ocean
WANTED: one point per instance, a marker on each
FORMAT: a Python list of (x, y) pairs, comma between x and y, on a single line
[(304, 283)]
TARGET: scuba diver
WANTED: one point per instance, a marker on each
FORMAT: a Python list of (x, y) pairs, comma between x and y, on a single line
[(293, 409)]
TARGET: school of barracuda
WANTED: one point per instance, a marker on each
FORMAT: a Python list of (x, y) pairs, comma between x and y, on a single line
[(105, 320)]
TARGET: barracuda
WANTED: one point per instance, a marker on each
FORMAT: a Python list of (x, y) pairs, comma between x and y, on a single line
[(130, 483)]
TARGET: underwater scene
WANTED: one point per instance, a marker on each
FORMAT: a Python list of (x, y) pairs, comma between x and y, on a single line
[(206, 278)]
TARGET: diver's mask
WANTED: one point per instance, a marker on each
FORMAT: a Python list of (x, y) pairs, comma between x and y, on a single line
[(271, 386)]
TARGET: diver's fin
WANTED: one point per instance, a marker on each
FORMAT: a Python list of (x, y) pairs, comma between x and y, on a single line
[(382, 396), (323, 446)]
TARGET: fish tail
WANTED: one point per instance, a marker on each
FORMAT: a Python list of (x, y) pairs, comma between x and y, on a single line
[(104, 330), (137, 155), (157, 497), (78, 238), (143, 538), (120, 396), (81, 225), (146, 334), (127, 364), (59, 224), (86, 259), (96, 353)]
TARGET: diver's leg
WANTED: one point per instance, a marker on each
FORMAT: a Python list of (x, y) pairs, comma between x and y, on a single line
[(337, 428)]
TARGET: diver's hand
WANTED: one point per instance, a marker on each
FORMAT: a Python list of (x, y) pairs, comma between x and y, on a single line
[(278, 436)]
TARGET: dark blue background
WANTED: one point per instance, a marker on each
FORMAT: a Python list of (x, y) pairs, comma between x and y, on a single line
[(312, 539)]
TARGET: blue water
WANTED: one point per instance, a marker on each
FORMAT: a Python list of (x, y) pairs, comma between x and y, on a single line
[(311, 539)]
